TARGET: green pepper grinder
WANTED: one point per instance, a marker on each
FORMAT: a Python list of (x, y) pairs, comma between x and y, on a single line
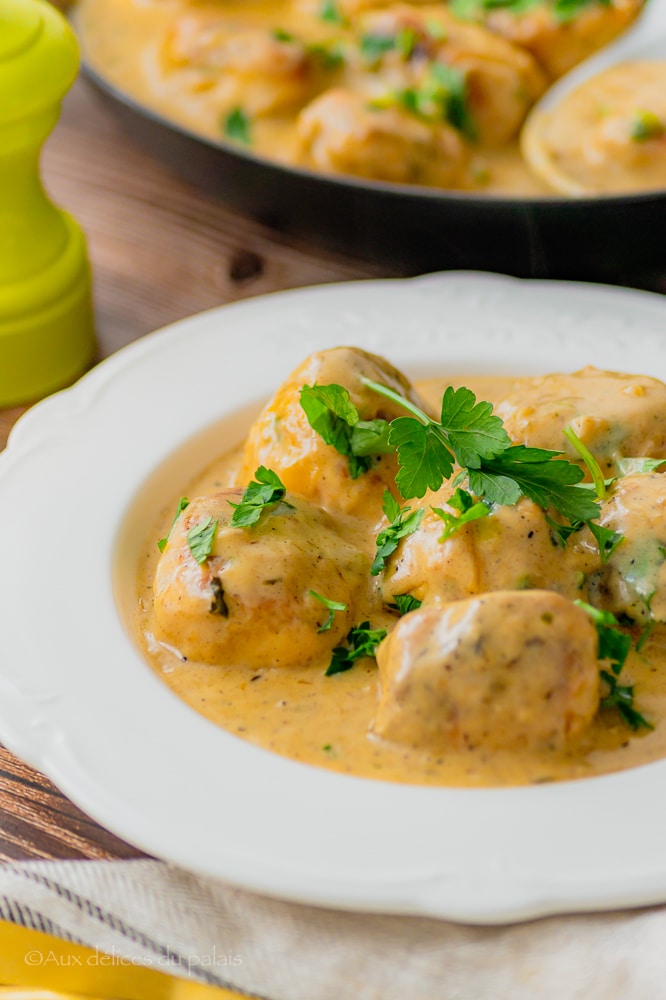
[(46, 318)]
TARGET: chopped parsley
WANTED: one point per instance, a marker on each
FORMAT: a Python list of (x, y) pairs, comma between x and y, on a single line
[(332, 606), (568, 10), (646, 125), (468, 509), (265, 491), (607, 539), (182, 504), (404, 603), (330, 13), (200, 539), (373, 47), (403, 521), (613, 647), (236, 126), (361, 641), (441, 97), (330, 54), (331, 413)]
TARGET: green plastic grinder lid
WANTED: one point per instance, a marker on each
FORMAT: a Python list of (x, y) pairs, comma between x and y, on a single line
[(38, 58)]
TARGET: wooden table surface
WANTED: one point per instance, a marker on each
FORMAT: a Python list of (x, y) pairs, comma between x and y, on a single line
[(160, 250)]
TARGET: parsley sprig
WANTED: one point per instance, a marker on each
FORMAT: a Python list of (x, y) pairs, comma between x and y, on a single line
[(265, 491), (361, 641), (469, 434), (182, 504), (332, 606), (331, 413), (613, 647), (403, 521)]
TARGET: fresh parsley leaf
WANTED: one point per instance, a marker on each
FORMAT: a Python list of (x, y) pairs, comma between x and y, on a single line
[(607, 540), (405, 42), (451, 92), (331, 413), (562, 10), (330, 13), (441, 97), (267, 490), (182, 504), (236, 126), (200, 539), (561, 533), (645, 635), (473, 430), (568, 10), (467, 432), (403, 522), (474, 10), (361, 641), (614, 646), (404, 603), (535, 473), (280, 35), (370, 437), (373, 47), (332, 606), (424, 458), (469, 510), (330, 55), (621, 696), (646, 125)]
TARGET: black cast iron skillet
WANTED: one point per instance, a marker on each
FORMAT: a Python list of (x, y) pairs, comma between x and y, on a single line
[(618, 239)]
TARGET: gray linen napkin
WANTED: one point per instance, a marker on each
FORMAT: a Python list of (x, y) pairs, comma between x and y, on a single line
[(175, 921)]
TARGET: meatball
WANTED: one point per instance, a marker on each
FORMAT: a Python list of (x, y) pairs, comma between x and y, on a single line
[(498, 82), (504, 671), (560, 43), (615, 415), (633, 580), (513, 548), (282, 439), (342, 132), (254, 69), (251, 602)]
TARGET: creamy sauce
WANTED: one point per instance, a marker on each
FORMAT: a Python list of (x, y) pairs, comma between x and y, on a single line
[(327, 721), (609, 135)]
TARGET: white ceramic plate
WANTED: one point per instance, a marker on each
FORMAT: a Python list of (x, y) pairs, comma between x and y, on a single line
[(78, 485)]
